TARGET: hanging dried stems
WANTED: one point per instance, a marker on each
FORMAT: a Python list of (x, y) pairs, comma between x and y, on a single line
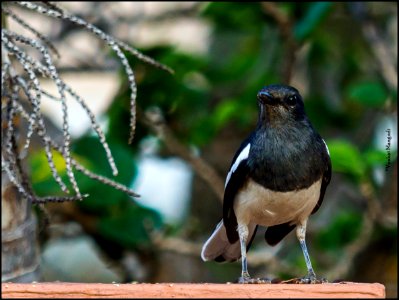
[(25, 86)]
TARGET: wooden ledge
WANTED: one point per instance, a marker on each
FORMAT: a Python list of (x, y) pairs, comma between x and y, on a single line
[(188, 290)]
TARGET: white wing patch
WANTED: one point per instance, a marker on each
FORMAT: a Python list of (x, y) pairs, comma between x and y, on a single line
[(243, 155), (326, 147)]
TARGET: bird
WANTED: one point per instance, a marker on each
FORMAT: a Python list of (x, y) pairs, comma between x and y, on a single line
[(277, 179)]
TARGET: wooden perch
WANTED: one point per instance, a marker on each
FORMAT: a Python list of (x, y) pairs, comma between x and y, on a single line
[(187, 290)]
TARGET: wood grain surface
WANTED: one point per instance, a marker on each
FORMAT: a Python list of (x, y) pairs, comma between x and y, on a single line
[(187, 290)]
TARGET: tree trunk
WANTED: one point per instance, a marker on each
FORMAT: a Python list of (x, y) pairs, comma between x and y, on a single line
[(19, 249)]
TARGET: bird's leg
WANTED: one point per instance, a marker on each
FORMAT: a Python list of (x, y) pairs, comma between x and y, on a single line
[(245, 277), (311, 276), (243, 234)]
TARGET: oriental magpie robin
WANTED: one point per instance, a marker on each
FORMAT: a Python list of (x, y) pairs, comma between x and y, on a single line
[(277, 178)]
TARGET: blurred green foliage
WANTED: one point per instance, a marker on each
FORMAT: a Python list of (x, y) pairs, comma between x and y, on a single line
[(346, 158), (119, 219), (342, 230), (216, 91), (314, 14), (372, 94)]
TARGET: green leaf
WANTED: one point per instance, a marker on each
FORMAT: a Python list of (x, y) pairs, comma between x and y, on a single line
[(224, 112), (103, 197), (90, 148), (375, 157), (39, 165), (346, 158), (42, 180), (372, 94), (234, 15), (316, 12), (343, 229)]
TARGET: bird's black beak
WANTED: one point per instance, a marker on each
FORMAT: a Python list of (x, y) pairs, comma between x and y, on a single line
[(266, 98)]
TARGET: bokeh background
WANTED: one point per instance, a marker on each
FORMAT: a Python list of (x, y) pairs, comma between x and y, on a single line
[(342, 57)]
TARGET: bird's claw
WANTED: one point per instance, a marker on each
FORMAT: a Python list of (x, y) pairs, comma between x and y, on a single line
[(311, 279), (308, 279), (249, 280)]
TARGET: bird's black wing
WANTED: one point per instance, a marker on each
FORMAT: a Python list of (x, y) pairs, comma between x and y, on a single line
[(324, 183), (238, 175)]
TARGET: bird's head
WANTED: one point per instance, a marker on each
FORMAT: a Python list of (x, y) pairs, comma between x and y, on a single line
[(280, 104)]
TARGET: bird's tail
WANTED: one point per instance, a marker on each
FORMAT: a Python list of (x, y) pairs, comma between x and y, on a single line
[(218, 247)]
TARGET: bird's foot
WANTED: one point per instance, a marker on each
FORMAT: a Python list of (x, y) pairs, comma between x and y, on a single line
[(252, 280), (308, 279), (312, 278), (245, 278)]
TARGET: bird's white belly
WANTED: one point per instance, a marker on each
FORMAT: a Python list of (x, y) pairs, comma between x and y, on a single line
[(256, 204)]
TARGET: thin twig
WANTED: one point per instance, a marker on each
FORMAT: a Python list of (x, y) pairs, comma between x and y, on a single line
[(285, 26), (35, 101), (96, 128), (375, 41), (74, 163), (30, 86), (154, 119), (114, 44), (30, 28)]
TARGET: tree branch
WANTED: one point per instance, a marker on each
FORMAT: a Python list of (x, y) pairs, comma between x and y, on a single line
[(153, 118), (285, 27)]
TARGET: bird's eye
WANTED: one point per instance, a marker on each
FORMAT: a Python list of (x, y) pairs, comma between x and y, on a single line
[(291, 100)]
